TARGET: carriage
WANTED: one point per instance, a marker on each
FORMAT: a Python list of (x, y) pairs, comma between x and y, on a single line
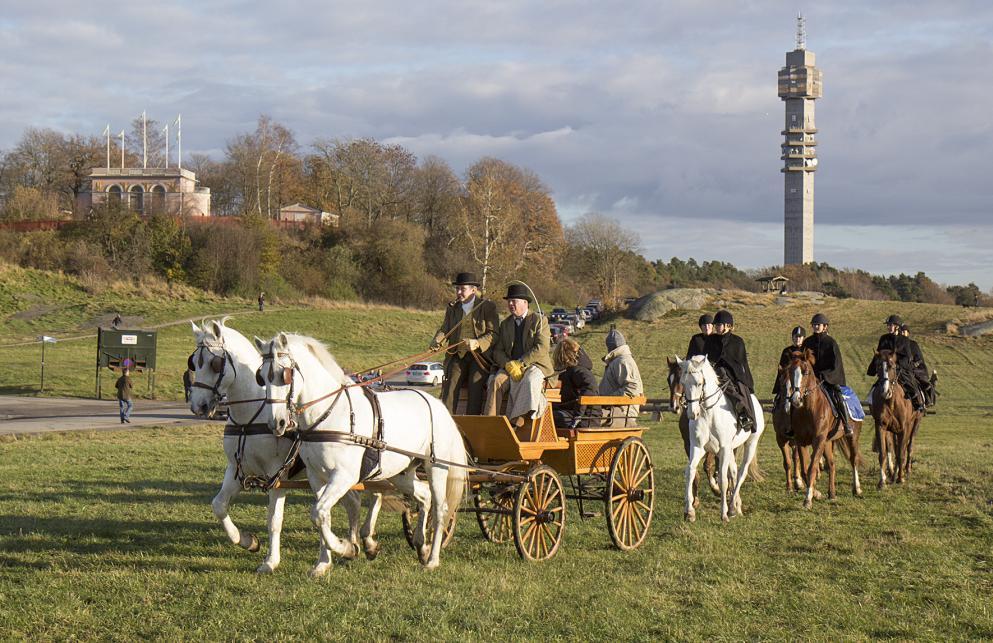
[(521, 479)]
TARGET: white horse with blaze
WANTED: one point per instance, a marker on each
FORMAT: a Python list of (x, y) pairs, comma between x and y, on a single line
[(311, 393), (714, 428)]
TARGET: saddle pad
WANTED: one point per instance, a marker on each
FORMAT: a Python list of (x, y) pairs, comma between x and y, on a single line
[(853, 403)]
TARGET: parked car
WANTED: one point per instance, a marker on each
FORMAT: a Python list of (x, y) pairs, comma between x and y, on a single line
[(425, 373), (577, 321), (558, 314), (595, 304), (558, 331), (584, 313), (593, 312), (568, 326)]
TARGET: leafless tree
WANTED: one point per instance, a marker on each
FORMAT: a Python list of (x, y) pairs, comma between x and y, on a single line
[(600, 248)]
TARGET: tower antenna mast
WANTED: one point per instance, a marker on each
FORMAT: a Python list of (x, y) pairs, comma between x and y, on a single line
[(801, 32)]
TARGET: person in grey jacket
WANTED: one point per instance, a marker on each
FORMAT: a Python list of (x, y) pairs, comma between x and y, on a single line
[(621, 377)]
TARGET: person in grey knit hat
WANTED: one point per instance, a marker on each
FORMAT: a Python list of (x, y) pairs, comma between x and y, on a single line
[(621, 377)]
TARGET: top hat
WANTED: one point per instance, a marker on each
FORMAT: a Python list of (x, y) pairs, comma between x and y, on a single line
[(518, 291), (466, 279)]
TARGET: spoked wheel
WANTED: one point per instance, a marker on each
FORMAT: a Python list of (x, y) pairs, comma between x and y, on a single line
[(496, 527), (630, 496), (539, 514), (409, 518)]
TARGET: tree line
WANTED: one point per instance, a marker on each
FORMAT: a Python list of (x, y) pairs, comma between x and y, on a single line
[(405, 226)]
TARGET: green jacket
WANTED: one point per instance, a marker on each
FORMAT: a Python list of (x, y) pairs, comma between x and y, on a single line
[(537, 340), (481, 327)]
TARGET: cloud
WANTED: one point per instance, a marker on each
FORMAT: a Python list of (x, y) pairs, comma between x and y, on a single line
[(664, 112)]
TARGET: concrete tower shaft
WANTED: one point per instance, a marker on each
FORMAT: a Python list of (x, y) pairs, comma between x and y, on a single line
[(799, 85)]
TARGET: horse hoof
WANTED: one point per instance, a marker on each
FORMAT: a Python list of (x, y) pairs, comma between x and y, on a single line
[(696, 503), (880, 485), (807, 504), (265, 568), (857, 493), (318, 571), (354, 553), (725, 518), (254, 545), (424, 554), (818, 495), (372, 552), (690, 516)]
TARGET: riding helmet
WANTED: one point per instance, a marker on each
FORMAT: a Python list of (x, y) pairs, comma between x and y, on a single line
[(706, 318), (819, 318), (904, 328), (894, 320), (724, 317), (798, 331)]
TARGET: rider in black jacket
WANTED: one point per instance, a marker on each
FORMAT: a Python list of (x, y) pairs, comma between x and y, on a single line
[(798, 335), (698, 343), (918, 366), (896, 343), (828, 365), (726, 351)]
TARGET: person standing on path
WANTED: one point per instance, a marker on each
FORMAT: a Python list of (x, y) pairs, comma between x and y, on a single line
[(261, 301), (124, 401)]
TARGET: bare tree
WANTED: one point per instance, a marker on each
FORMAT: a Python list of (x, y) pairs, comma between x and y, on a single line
[(600, 248)]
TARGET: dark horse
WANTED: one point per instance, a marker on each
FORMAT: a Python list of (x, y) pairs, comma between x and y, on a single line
[(781, 422), (896, 420), (814, 425)]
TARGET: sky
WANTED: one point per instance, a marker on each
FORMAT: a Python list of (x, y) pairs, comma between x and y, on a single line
[(662, 114)]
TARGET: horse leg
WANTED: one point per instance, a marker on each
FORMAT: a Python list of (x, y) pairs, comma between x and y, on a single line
[(369, 542), (884, 456), (277, 501), (817, 450), (408, 484), (222, 501), (438, 480), (832, 470), (786, 450), (853, 457), (751, 448), (724, 465), (901, 455), (710, 466), (696, 454), (735, 501), (327, 497)]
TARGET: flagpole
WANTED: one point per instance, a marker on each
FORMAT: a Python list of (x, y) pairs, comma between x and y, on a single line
[(106, 133), (144, 140), (166, 130), (179, 141), (122, 149)]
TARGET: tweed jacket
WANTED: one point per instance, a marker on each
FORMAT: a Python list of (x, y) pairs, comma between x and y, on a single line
[(482, 327), (537, 343)]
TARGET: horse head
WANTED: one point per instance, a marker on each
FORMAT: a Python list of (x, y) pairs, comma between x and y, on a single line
[(799, 378), (210, 364), (693, 380), (276, 374), (676, 397), (886, 372)]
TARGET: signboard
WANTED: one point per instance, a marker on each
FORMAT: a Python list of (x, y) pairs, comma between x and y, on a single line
[(131, 349), (129, 340)]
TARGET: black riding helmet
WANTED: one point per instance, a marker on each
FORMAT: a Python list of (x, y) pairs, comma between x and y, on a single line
[(798, 331), (724, 317), (706, 318), (819, 318), (894, 320)]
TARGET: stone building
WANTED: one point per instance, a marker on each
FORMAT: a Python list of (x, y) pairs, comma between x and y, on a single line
[(146, 190), (301, 213)]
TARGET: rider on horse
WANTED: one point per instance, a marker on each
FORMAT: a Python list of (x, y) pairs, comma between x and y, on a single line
[(797, 335), (726, 351), (828, 365), (698, 342), (920, 369), (897, 344)]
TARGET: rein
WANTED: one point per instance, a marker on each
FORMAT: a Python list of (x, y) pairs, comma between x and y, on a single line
[(721, 388)]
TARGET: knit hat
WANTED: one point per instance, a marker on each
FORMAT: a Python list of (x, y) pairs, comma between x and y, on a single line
[(615, 339)]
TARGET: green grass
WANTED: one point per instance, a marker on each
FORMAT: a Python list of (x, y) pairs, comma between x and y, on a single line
[(110, 536)]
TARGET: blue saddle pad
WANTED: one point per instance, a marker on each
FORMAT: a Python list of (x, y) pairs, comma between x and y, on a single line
[(853, 403)]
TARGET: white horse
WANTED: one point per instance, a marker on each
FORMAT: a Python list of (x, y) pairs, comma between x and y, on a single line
[(714, 428), (224, 363), (310, 393)]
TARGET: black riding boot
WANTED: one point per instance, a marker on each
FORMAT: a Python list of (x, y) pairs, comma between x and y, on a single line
[(839, 401)]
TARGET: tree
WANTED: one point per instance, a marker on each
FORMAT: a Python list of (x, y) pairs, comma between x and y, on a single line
[(601, 249), (27, 203), (146, 138)]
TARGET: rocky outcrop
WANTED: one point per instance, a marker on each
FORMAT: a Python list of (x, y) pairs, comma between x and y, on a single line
[(654, 306)]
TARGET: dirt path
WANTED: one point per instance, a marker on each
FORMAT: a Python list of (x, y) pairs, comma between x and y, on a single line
[(31, 415)]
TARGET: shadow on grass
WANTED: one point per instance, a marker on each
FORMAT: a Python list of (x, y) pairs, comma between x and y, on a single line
[(137, 492), (10, 389)]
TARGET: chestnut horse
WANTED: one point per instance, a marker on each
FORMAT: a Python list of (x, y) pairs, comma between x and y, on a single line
[(814, 425), (781, 423), (895, 418)]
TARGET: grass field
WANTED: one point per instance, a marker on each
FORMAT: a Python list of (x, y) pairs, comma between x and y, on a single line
[(111, 536)]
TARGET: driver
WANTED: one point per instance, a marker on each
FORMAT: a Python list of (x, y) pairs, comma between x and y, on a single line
[(521, 353)]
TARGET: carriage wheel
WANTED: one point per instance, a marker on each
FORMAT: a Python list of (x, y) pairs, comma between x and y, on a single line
[(539, 514), (630, 494), (496, 528), (409, 518)]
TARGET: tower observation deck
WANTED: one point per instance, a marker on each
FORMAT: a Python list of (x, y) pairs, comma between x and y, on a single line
[(799, 85)]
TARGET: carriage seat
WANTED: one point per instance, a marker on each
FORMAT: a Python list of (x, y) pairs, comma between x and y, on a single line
[(614, 417)]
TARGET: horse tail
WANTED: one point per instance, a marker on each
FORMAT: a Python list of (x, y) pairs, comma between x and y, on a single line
[(754, 471), (846, 449), (457, 475)]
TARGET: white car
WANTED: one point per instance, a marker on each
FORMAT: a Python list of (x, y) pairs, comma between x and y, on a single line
[(425, 373)]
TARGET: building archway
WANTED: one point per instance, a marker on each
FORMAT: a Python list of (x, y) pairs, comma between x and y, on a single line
[(116, 193), (158, 199), (136, 199)]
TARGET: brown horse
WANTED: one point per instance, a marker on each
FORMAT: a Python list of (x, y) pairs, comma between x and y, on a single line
[(814, 425), (896, 421), (791, 458), (677, 404)]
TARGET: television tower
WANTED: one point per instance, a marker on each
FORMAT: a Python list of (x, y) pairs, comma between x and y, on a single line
[(799, 86)]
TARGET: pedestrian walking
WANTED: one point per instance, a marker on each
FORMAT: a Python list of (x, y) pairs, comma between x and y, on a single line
[(261, 301), (124, 387)]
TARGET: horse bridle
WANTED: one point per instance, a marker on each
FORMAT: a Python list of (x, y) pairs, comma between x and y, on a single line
[(791, 390), (677, 399), (218, 364), (702, 401), (293, 408)]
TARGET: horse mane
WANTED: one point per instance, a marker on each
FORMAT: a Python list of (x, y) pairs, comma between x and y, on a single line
[(235, 340), (323, 355)]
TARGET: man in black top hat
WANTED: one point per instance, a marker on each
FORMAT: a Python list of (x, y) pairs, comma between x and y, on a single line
[(698, 342), (828, 365), (896, 343), (726, 351), (468, 330), (521, 352)]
